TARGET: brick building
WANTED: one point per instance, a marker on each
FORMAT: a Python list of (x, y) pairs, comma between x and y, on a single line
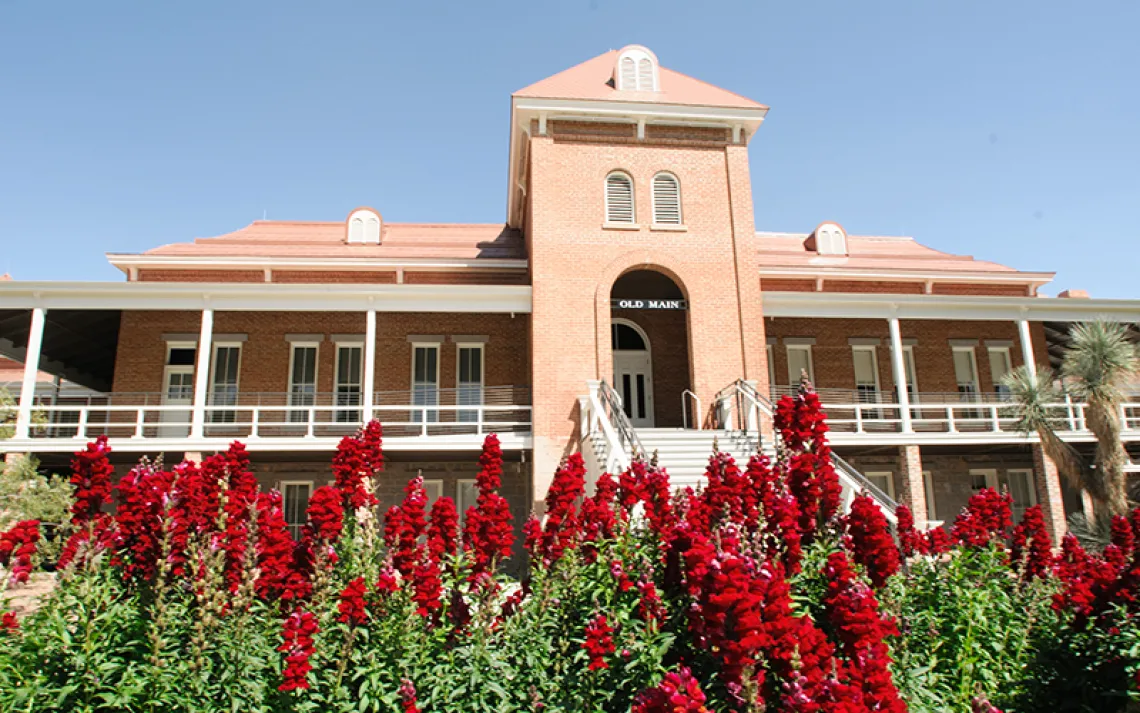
[(628, 302)]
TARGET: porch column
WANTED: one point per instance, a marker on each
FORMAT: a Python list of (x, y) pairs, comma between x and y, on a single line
[(1027, 347), (31, 369), (899, 368), (1047, 481), (369, 362), (202, 375), (913, 486)]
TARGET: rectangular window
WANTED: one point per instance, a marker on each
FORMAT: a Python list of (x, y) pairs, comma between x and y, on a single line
[(1018, 482), (434, 489), (928, 486), (224, 382), (866, 374), (178, 390), (1000, 365), (799, 361), (295, 502), (349, 358), (302, 381), (911, 375), (425, 382), (466, 493), (771, 371), (469, 380), (981, 478), (883, 480), (966, 372)]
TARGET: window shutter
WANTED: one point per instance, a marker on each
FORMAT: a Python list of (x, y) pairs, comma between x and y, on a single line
[(619, 198), (666, 200), (645, 75), (628, 73)]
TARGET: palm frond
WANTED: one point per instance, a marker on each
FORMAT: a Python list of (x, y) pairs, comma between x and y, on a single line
[(1032, 396), (1099, 361)]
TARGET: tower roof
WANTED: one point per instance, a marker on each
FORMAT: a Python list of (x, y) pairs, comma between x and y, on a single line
[(594, 80)]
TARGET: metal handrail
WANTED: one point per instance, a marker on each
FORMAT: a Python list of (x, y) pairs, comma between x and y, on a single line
[(866, 484), (685, 411), (612, 402)]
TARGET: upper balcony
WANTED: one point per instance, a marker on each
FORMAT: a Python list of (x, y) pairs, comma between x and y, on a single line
[(413, 420)]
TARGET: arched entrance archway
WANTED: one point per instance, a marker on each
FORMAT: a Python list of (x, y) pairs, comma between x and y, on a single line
[(650, 348)]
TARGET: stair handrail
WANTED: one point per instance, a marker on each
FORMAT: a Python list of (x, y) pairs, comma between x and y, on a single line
[(860, 483), (611, 404), (685, 410), (742, 397)]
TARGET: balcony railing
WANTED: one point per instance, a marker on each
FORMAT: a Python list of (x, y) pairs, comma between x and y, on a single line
[(254, 416)]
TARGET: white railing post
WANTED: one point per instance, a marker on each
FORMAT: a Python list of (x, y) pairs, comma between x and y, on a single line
[(584, 428), (31, 370), (312, 418), (1027, 347), (482, 411), (81, 427), (1072, 415), (202, 375), (369, 363), (953, 427), (139, 420), (254, 422), (858, 419), (899, 368), (994, 416)]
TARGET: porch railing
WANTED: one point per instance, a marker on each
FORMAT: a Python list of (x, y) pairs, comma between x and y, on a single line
[(251, 415)]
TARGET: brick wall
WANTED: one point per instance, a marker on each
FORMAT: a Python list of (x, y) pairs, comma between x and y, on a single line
[(265, 354), (933, 357)]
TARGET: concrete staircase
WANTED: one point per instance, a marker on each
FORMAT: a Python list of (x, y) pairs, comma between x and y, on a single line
[(684, 453)]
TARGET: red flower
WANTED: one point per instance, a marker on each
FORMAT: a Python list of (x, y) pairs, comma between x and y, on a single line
[(142, 496), (407, 524), (91, 477), (326, 514), (937, 541), (358, 458), (1031, 545), (443, 530), (561, 530), (17, 547), (678, 693), (911, 541), (871, 542), (351, 606), (599, 642), (297, 635), (599, 521), (277, 576), (488, 531), (650, 608), (9, 623), (389, 580), (986, 517), (981, 704), (97, 536), (407, 692), (427, 589)]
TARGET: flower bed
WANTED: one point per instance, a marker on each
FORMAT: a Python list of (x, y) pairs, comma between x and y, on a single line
[(753, 594)]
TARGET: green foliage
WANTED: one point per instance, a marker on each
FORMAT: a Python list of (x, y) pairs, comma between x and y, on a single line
[(968, 626), (28, 494)]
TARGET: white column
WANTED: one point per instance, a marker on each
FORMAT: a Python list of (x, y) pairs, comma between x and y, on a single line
[(31, 369), (1027, 347), (369, 362), (202, 374), (899, 368)]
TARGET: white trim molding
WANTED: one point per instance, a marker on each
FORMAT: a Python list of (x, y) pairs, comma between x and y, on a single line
[(133, 261), (954, 307)]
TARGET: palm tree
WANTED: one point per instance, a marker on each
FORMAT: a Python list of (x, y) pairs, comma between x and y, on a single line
[(1100, 359)]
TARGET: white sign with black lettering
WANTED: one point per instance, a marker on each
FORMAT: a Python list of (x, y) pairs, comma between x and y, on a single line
[(629, 303)]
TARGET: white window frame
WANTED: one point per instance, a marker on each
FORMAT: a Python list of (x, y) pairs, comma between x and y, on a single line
[(794, 379), (214, 414), (169, 368), (771, 368), (931, 501), (910, 371), (888, 474), (427, 414), (474, 415), (353, 343), (638, 55), (972, 351), (460, 504), (434, 489), (653, 192), (855, 349), (294, 529), (998, 387), (296, 416), (1031, 489), (609, 218)]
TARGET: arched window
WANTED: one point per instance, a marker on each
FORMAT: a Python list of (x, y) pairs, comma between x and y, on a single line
[(830, 239), (363, 227), (666, 199), (624, 337), (619, 198), (636, 70)]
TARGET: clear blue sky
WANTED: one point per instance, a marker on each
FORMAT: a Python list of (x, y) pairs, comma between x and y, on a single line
[(1005, 130)]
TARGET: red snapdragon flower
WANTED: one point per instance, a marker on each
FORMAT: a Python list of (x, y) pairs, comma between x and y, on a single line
[(17, 547), (911, 541), (142, 496), (561, 530), (97, 536), (599, 642), (326, 515), (358, 458), (871, 543), (403, 526), (9, 623), (277, 578), (351, 606), (488, 532), (986, 518), (297, 634), (1031, 545), (427, 588), (938, 542), (389, 580), (91, 472), (408, 696), (679, 692), (443, 529), (650, 607), (598, 516)]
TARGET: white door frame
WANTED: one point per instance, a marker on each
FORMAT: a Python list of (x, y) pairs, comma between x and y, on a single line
[(636, 361), (176, 423)]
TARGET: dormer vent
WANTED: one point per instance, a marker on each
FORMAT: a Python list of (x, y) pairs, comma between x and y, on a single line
[(636, 70), (828, 239), (363, 227)]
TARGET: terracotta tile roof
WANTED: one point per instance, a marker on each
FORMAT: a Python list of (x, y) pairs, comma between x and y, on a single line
[(871, 253), (299, 239), (593, 80)]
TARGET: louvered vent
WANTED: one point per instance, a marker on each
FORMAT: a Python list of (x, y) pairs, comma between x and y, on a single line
[(645, 75), (666, 199), (628, 73), (619, 198)]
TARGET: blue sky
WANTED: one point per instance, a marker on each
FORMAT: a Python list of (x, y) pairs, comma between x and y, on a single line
[(1005, 130)]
